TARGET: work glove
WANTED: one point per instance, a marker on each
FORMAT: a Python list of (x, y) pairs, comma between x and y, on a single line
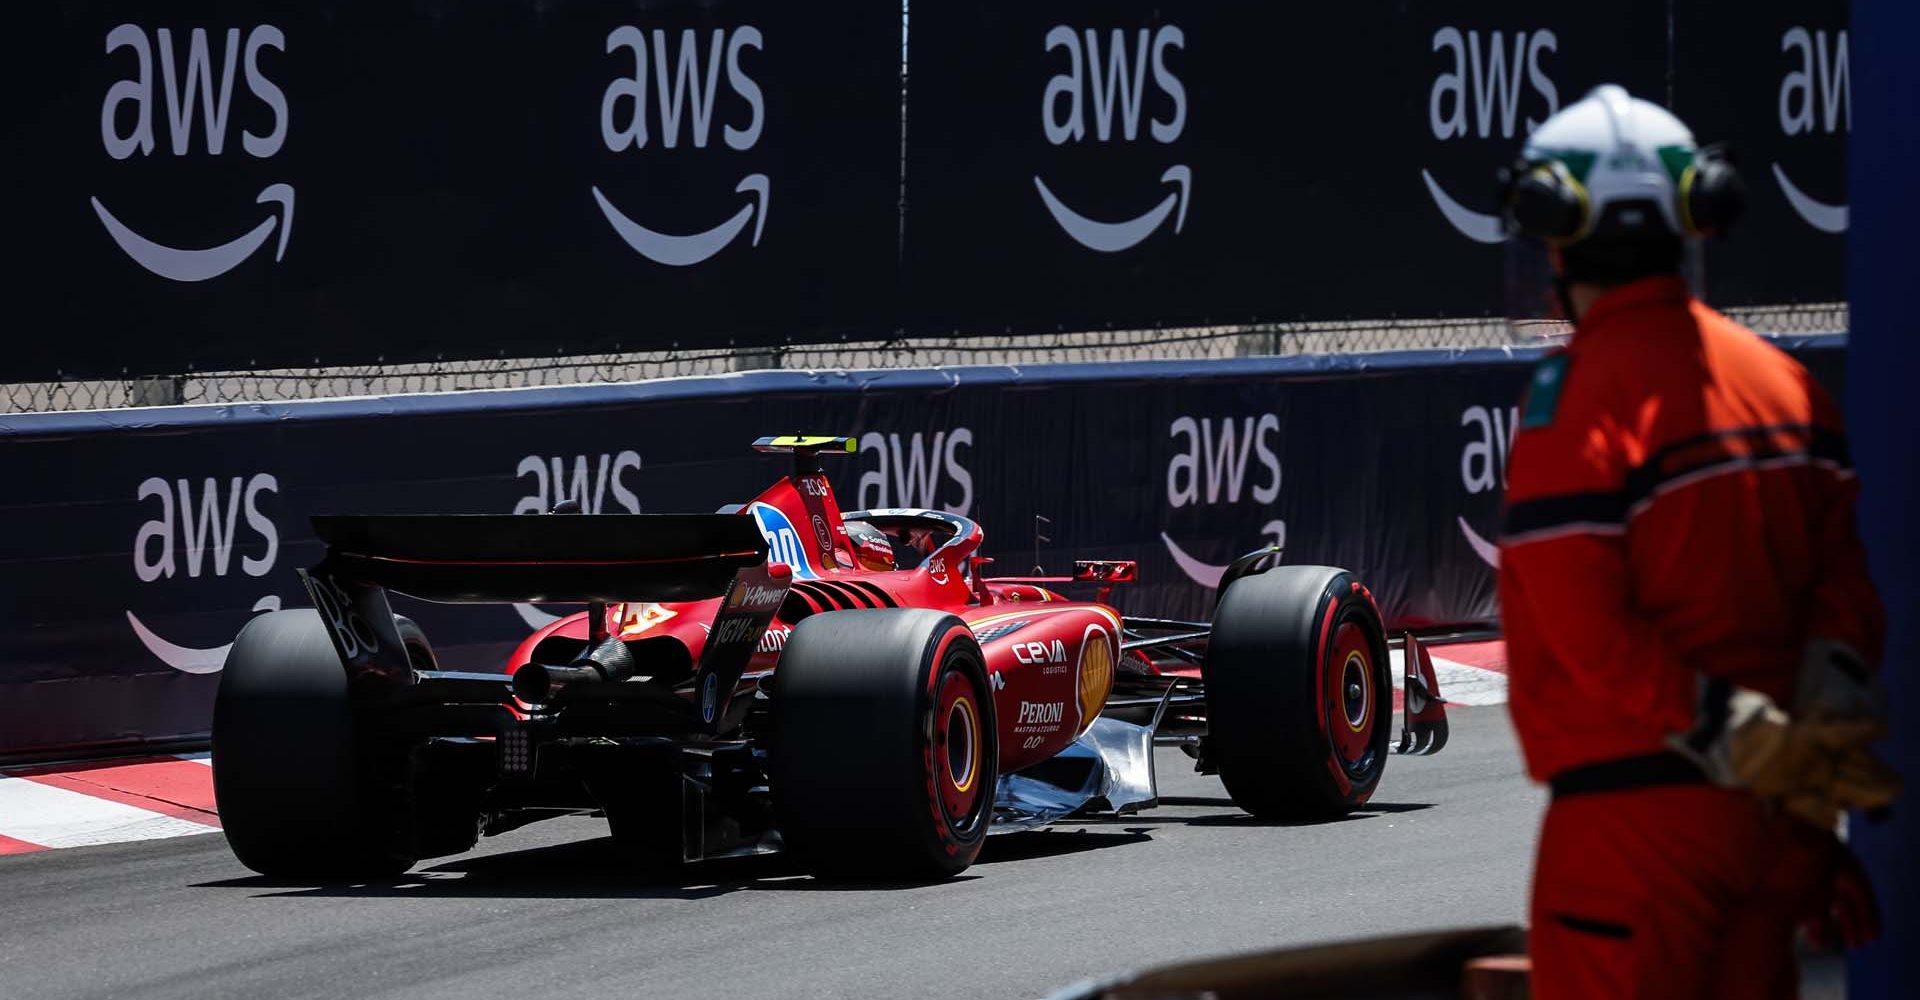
[(1835, 683), (1741, 739), (1859, 780)]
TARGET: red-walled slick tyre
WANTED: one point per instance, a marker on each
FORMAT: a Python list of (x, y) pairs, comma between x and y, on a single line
[(884, 752), (1299, 693), (288, 769)]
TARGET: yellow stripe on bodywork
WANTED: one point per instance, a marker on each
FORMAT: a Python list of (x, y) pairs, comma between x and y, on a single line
[(1031, 611)]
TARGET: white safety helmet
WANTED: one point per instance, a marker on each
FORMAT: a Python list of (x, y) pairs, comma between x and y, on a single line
[(1616, 186), (1612, 166)]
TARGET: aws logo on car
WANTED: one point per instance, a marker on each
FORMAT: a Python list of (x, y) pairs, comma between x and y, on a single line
[(681, 88), (213, 530), (1220, 467), (1101, 97), (182, 85), (1478, 97)]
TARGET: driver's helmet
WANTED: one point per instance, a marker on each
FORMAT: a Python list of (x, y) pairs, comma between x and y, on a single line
[(870, 546)]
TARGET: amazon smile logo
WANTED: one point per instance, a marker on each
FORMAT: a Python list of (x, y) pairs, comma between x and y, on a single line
[(1820, 77), (193, 92), (1483, 466), (1114, 88), (196, 532), (1215, 463), (1483, 75), (598, 483), (683, 88)]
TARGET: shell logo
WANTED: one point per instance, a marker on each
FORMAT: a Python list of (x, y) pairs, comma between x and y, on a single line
[(1096, 674)]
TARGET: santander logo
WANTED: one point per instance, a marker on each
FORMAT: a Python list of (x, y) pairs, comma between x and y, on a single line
[(683, 90), (1822, 79), (195, 532), (1110, 90), (193, 92), (1484, 79)]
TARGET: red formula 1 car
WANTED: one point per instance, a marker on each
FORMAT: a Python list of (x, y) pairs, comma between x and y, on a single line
[(849, 687)]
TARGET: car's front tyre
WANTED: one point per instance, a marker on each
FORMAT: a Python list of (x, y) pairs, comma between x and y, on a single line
[(1299, 693)]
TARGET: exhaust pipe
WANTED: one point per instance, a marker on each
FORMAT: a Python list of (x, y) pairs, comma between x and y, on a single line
[(606, 663)]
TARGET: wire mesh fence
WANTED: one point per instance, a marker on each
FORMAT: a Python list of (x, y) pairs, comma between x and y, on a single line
[(1275, 339)]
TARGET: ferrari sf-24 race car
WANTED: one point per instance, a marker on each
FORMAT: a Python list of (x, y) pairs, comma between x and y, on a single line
[(850, 687)]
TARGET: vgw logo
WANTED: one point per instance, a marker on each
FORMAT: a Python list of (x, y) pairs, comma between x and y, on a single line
[(912, 473), (1822, 73), (1114, 85), (593, 482), (1484, 69), (196, 534), (1213, 469), (1483, 465), (684, 90), (192, 91)]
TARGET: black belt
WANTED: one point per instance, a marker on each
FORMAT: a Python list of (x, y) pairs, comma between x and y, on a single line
[(1646, 771)]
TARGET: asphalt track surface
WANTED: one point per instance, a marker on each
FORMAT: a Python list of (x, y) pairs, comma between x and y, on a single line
[(544, 912)]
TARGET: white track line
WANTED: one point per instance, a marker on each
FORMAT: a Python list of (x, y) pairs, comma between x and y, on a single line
[(54, 817), (203, 757), (1461, 684)]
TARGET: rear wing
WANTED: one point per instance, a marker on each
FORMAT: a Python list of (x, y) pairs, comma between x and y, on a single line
[(593, 559), (1084, 571), (575, 558), (1105, 572)]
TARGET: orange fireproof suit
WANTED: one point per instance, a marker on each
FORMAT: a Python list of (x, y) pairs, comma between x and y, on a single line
[(1679, 504)]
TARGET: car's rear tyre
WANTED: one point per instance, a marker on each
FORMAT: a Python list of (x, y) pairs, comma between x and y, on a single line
[(884, 755), (297, 788), (1299, 693)]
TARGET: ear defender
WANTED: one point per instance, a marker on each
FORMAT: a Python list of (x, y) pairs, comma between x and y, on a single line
[(1546, 202), (1711, 194)]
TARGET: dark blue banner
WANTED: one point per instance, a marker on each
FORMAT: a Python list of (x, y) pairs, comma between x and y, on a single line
[(236, 184), (140, 541), (208, 184)]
